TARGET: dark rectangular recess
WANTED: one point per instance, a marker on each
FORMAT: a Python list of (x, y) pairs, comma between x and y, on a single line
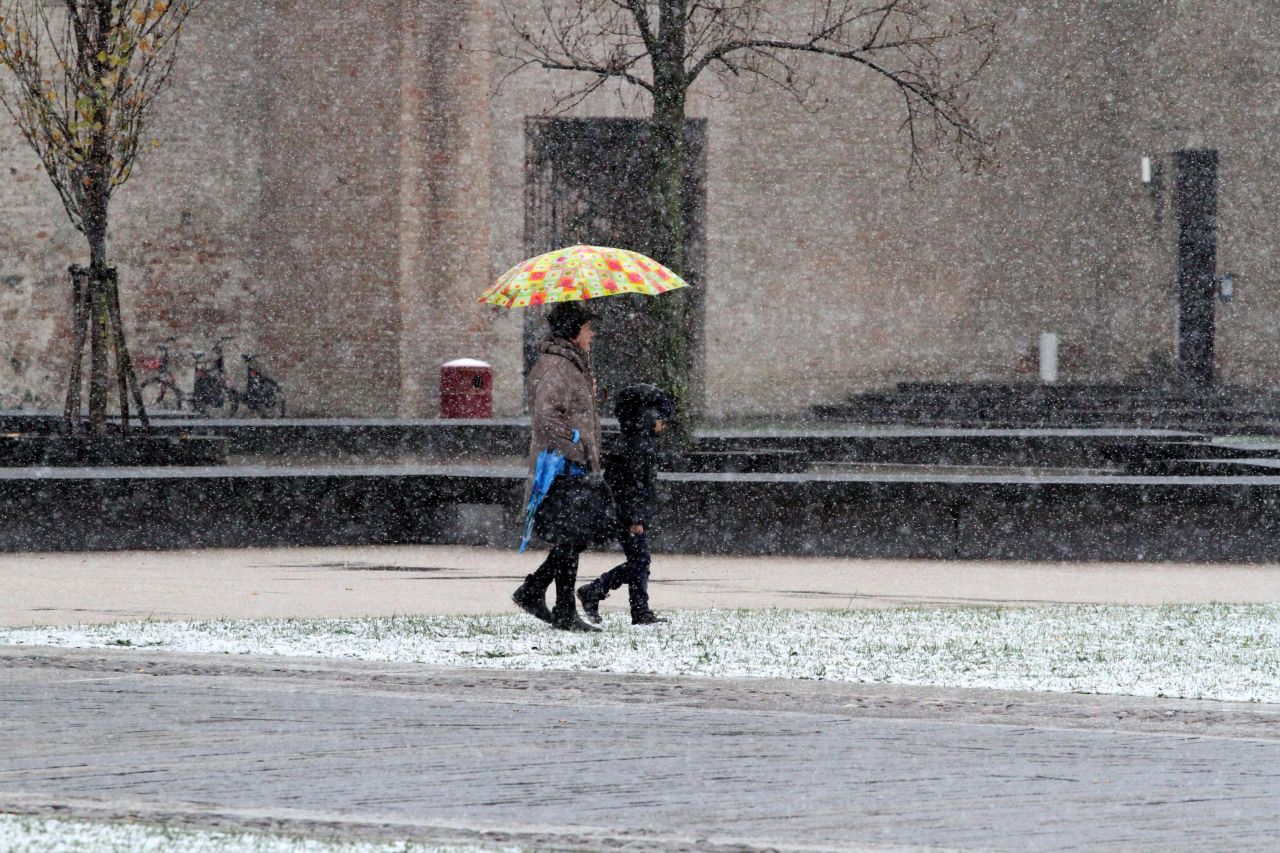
[(1196, 205), (586, 181)]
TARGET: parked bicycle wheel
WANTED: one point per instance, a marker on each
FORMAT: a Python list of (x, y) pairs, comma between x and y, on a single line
[(270, 406), (159, 394), (226, 408), (263, 396), (209, 399)]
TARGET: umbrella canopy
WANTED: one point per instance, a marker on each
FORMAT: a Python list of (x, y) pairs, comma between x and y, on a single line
[(577, 273)]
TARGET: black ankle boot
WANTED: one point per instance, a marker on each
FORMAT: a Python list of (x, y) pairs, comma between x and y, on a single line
[(591, 595), (638, 598), (531, 602), (572, 622)]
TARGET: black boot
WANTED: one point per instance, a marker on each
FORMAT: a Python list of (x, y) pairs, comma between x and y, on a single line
[(638, 596), (591, 595), (531, 601), (647, 617), (573, 622), (565, 614)]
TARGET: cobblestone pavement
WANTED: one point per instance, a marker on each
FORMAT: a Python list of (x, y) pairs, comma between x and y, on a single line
[(576, 760), (59, 589)]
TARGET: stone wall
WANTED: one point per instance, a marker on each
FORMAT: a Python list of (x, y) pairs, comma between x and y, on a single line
[(183, 229), (334, 184), (851, 277)]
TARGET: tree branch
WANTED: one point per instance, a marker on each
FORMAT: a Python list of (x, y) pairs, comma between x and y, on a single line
[(84, 111), (640, 11), (600, 39), (929, 60), (929, 54)]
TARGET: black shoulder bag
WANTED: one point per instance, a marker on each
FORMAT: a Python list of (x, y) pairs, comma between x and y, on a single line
[(577, 512)]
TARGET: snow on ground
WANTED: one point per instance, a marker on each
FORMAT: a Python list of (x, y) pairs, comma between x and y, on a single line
[(20, 834), (1228, 652)]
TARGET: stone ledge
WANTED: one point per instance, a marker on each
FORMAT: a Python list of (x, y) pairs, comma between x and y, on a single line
[(939, 515)]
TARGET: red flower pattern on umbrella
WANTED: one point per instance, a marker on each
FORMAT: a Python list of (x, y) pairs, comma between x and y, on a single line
[(579, 273)]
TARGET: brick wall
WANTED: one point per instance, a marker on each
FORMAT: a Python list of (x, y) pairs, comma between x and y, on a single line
[(334, 185)]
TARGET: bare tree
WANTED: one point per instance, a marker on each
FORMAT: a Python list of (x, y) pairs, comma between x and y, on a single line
[(927, 52), (82, 78)]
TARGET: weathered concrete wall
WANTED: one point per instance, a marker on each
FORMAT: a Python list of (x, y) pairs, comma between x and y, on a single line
[(330, 104), (334, 184), (311, 193), (1207, 77), (850, 277), (183, 229), (444, 186)]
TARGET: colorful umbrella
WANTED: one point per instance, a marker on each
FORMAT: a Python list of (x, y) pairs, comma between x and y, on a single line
[(580, 272)]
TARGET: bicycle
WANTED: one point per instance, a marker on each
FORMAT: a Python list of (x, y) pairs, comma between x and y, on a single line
[(262, 394), (156, 388), (210, 389)]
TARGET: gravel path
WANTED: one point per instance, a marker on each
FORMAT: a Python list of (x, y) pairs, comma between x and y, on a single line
[(574, 760)]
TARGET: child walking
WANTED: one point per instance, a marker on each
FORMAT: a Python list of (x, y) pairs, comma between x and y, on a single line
[(631, 471)]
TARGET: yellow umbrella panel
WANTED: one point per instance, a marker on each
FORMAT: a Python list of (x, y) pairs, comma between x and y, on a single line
[(577, 273)]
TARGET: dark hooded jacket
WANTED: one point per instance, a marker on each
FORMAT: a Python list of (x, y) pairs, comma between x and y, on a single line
[(631, 467)]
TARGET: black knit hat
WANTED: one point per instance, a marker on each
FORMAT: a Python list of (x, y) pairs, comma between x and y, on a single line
[(566, 319)]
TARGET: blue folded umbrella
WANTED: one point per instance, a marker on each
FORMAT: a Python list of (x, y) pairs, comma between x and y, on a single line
[(550, 465)]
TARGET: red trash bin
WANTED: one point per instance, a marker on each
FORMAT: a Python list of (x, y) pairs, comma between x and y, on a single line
[(466, 389)]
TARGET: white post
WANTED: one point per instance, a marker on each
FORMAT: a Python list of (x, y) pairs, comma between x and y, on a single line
[(1048, 358)]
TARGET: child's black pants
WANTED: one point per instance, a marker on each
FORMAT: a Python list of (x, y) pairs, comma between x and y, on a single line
[(634, 573)]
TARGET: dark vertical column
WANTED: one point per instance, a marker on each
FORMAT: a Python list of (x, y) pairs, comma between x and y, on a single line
[(1196, 204)]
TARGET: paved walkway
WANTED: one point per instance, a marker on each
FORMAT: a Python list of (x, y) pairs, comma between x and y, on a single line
[(587, 761), (591, 761), (44, 589)]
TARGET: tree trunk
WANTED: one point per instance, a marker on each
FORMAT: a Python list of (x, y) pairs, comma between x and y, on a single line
[(97, 198), (99, 336), (79, 319), (106, 327), (117, 343), (667, 164), (124, 362), (95, 292)]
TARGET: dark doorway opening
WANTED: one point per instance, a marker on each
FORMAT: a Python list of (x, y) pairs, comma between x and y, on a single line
[(587, 182), (1195, 201)]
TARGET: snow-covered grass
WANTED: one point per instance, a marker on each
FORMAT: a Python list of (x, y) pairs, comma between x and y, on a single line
[(20, 834), (1229, 652)]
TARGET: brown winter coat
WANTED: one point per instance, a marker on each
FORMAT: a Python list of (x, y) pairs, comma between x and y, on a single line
[(562, 398)]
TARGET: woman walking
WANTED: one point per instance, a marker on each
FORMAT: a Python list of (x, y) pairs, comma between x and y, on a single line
[(562, 402)]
